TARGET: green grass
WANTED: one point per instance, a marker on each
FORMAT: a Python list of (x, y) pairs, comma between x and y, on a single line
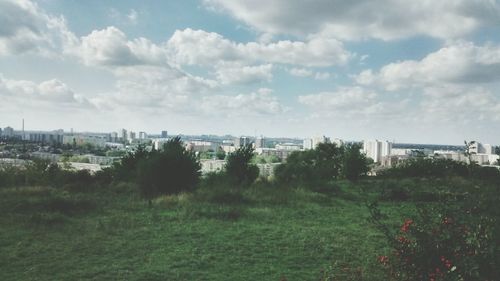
[(271, 233)]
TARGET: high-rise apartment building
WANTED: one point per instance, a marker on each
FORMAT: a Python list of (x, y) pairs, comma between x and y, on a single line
[(241, 141), (376, 149), (259, 142)]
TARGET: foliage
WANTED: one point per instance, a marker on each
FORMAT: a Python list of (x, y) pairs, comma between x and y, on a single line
[(441, 168), (239, 168), (43, 173), (354, 163), (427, 167), (171, 170), (126, 169), (263, 159), (220, 154), (452, 240), (325, 163)]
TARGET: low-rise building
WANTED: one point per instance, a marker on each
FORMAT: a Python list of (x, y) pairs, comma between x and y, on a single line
[(210, 165), (83, 139)]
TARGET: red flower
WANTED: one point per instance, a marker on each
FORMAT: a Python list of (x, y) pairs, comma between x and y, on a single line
[(406, 225), (383, 260)]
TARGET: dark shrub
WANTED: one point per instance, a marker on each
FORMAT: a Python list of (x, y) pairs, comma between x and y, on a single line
[(354, 163), (127, 168), (169, 171), (239, 169), (311, 167)]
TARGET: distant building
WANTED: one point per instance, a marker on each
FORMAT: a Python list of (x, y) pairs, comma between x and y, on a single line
[(53, 158), (164, 134), (55, 137), (123, 135), (312, 143), (376, 149), (83, 139), (8, 132), (131, 136), (113, 137), (201, 146), (158, 143), (143, 135), (228, 148), (307, 144), (319, 139), (241, 141), (208, 166), (288, 146), (280, 153), (259, 142), (479, 148)]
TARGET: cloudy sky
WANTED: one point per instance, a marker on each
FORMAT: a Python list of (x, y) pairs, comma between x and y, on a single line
[(410, 71)]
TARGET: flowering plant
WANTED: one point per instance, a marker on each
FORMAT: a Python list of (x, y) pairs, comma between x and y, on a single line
[(442, 242)]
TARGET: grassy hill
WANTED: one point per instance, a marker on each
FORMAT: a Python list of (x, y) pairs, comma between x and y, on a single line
[(259, 233)]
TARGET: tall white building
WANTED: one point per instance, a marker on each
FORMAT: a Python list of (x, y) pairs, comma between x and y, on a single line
[(307, 144), (479, 148), (130, 136), (241, 141), (113, 137), (319, 139), (313, 142), (259, 142), (123, 135), (143, 135), (376, 149)]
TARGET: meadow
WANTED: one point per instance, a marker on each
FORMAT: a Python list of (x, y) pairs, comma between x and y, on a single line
[(261, 232)]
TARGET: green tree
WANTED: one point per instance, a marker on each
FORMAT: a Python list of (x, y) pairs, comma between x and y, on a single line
[(172, 170), (354, 164), (238, 166), (126, 169), (311, 167), (221, 154)]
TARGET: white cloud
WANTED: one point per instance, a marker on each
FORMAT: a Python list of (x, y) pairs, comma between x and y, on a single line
[(158, 87), (199, 47), (258, 103), (132, 16), (231, 73), (110, 47), (25, 28), (300, 72), (321, 75), (458, 63), (304, 72), (49, 94), (387, 19), (347, 98), (458, 105)]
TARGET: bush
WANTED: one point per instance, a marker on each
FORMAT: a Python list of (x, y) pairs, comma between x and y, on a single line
[(127, 168), (169, 171), (238, 167), (323, 164), (427, 167), (451, 240), (354, 163)]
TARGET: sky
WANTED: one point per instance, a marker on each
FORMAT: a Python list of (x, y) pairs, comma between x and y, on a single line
[(406, 71)]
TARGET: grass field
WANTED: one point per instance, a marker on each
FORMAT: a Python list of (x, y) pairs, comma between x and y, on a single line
[(260, 233)]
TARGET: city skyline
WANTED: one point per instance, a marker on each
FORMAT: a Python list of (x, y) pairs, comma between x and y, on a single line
[(415, 73)]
